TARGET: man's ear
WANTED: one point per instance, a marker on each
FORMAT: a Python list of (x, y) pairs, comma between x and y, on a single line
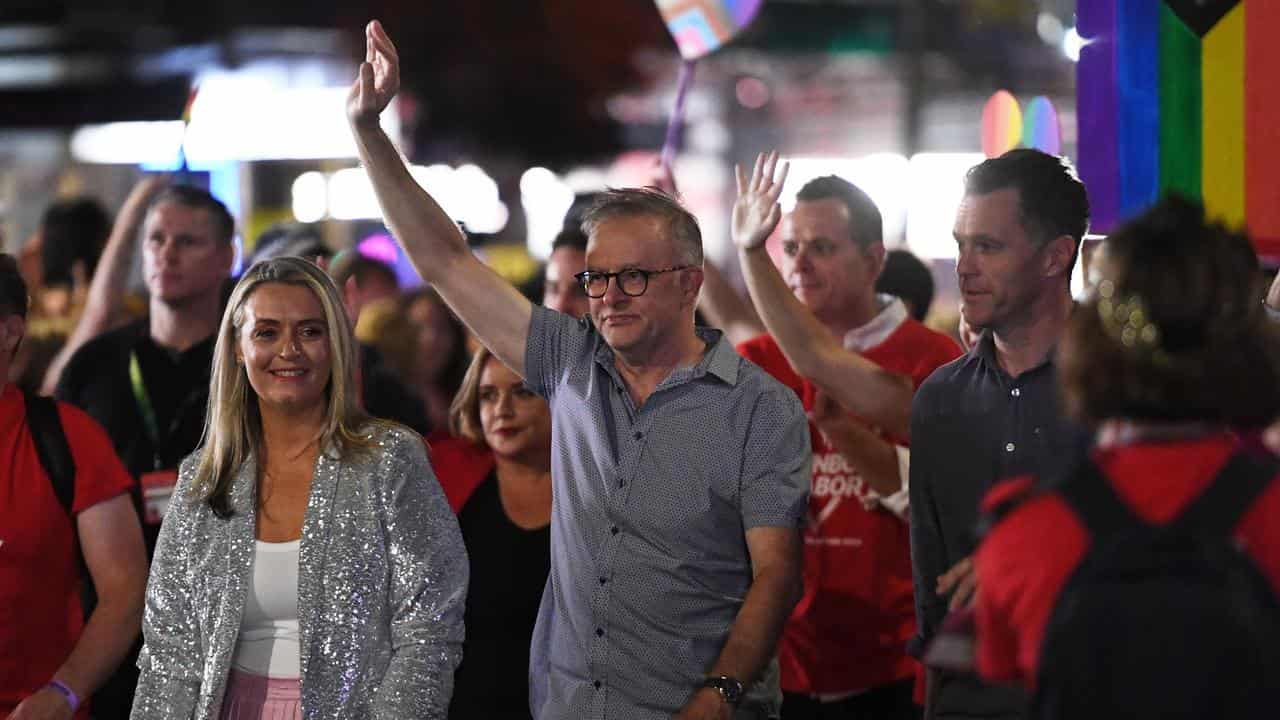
[(876, 252), (691, 282), (1059, 256)]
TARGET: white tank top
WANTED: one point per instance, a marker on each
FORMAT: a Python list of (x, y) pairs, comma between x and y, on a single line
[(268, 643)]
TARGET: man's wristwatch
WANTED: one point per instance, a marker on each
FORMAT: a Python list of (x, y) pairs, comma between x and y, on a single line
[(729, 688)]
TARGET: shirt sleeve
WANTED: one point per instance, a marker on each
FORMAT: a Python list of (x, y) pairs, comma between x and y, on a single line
[(555, 341), (100, 475), (900, 501), (777, 462), (927, 551)]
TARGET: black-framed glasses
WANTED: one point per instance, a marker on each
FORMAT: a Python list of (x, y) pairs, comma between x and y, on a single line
[(631, 281)]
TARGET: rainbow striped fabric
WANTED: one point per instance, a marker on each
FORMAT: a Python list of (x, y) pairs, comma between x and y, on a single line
[(1182, 95), (700, 27)]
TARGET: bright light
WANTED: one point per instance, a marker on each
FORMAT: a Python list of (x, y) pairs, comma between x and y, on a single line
[(128, 143), (257, 115), (586, 179), (310, 202), (1049, 28), (351, 196), (545, 199), (882, 176), (936, 181), (468, 195), (1071, 44)]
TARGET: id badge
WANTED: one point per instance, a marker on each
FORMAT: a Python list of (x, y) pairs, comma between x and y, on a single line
[(157, 489)]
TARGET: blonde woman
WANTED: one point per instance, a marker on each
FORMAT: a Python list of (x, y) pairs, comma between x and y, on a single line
[(309, 560), (496, 471)]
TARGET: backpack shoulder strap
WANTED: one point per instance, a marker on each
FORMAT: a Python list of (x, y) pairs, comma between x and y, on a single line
[(52, 448), (1091, 497), (1235, 488)]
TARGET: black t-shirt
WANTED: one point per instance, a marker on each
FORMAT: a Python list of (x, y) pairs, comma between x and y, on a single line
[(96, 380), (509, 568)]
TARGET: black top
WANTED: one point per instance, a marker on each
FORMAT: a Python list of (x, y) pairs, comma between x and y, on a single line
[(509, 567), (972, 425), (96, 380)]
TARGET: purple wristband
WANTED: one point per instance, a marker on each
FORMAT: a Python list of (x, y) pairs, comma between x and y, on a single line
[(65, 692)]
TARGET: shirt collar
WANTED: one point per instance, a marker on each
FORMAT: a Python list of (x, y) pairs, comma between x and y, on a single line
[(985, 351), (200, 351), (720, 359), (891, 316)]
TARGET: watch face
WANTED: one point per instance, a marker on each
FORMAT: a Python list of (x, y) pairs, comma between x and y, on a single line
[(729, 688)]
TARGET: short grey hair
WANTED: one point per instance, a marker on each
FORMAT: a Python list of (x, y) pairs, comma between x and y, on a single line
[(682, 226)]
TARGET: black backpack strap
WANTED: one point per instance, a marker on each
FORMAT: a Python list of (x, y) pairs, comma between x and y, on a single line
[(1093, 500), (1219, 508), (52, 448)]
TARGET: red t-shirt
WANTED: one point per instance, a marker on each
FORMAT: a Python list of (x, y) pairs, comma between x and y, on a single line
[(40, 610), (850, 629), (1026, 559)]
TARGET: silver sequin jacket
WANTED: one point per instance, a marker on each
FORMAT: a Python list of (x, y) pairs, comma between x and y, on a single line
[(382, 579)]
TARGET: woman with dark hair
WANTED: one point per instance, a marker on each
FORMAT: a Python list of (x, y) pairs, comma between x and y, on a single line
[(308, 564), (496, 471), (440, 354), (1174, 363)]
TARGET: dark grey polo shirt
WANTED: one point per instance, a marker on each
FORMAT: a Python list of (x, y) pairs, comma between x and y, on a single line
[(972, 425), (649, 564)]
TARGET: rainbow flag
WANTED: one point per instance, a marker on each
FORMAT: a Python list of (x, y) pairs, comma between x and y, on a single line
[(700, 27), (1182, 95)]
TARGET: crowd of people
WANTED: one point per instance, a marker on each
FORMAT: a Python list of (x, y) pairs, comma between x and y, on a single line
[(309, 492)]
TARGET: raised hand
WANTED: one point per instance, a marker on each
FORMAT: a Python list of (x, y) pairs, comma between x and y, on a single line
[(379, 77), (757, 212)]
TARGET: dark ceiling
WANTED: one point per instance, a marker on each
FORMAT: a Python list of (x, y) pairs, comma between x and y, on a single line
[(523, 76)]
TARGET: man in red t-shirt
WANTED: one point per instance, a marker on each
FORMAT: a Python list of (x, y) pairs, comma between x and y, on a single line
[(50, 658), (843, 652)]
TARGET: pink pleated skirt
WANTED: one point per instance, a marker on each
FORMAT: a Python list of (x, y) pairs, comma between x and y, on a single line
[(257, 697)]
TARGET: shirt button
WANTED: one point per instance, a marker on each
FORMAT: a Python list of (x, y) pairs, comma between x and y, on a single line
[(597, 684), (599, 632), (1016, 392), (614, 530), (604, 580), (1009, 447)]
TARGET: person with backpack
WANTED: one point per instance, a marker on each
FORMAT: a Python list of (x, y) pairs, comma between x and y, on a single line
[(1142, 581), (64, 508)]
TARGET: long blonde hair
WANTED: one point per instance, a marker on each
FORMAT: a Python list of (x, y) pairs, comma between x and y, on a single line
[(233, 426)]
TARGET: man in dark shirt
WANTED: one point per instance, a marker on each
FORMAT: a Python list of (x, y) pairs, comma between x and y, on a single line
[(147, 384), (993, 413)]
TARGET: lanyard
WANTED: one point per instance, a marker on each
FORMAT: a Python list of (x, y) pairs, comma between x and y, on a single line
[(145, 409)]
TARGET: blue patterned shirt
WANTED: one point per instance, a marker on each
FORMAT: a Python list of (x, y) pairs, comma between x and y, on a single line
[(649, 563)]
